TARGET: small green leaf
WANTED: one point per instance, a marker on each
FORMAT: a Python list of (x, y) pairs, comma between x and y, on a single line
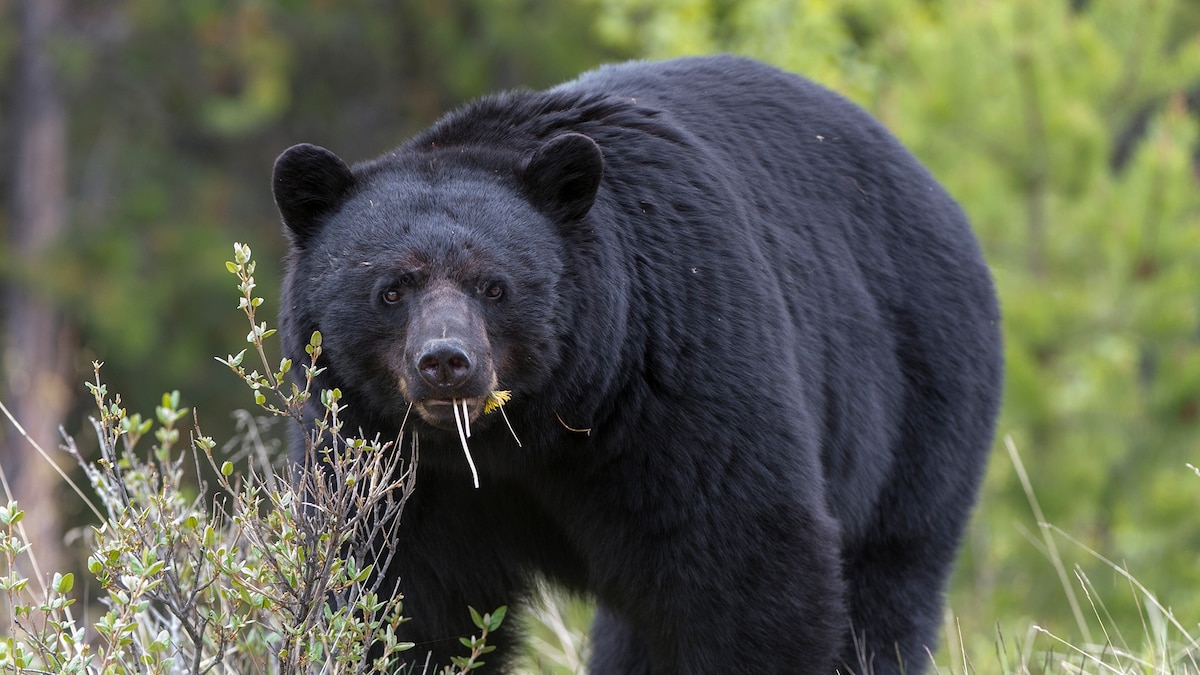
[(497, 617), (11, 515), (227, 469), (160, 642), (241, 253), (63, 583)]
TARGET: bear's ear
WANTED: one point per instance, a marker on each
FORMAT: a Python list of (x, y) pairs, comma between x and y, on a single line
[(308, 183), (562, 176)]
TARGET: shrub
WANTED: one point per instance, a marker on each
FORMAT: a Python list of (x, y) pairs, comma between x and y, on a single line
[(267, 570)]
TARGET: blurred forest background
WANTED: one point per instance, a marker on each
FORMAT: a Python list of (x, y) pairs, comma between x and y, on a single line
[(139, 137)]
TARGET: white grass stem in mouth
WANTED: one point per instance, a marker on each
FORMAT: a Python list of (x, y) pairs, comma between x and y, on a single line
[(510, 429), (466, 418), (462, 436)]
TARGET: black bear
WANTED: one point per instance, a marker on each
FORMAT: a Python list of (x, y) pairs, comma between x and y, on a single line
[(751, 345)]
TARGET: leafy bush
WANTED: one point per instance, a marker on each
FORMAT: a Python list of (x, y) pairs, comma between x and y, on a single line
[(269, 572)]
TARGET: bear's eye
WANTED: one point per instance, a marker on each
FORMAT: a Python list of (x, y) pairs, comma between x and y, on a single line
[(391, 296), (493, 291)]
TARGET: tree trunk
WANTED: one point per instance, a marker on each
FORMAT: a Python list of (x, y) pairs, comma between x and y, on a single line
[(36, 340)]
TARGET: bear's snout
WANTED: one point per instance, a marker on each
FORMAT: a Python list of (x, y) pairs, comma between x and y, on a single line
[(447, 375), (445, 363), (447, 354)]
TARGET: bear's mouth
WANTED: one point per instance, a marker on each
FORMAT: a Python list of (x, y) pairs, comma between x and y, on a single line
[(457, 414), (449, 413)]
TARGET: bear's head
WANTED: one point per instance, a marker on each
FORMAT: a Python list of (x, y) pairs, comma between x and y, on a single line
[(435, 276)]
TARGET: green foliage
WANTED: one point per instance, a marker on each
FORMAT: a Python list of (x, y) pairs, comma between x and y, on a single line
[(270, 572), (486, 623), (1065, 133)]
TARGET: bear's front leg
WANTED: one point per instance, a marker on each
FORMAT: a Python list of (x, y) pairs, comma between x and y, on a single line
[(741, 579)]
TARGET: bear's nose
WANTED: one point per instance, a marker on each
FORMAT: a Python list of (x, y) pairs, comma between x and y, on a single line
[(444, 363)]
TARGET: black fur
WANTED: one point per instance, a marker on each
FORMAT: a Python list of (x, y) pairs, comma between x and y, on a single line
[(775, 327)]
